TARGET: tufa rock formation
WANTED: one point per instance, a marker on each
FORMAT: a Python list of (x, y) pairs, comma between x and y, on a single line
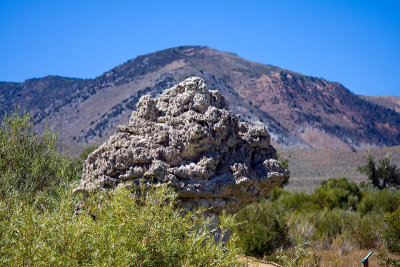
[(189, 140)]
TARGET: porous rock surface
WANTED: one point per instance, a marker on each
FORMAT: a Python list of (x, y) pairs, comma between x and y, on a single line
[(188, 139)]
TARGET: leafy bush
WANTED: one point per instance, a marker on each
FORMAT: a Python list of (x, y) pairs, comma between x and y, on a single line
[(349, 227), (29, 162), (336, 214), (366, 231), (392, 232), (261, 229), (337, 193), (296, 201), (301, 228), (329, 224), (295, 257), (127, 230), (379, 201)]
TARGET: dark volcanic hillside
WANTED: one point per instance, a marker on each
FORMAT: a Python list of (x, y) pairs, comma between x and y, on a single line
[(297, 109), (36, 95)]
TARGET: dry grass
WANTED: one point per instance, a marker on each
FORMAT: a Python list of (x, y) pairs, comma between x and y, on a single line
[(350, 259)]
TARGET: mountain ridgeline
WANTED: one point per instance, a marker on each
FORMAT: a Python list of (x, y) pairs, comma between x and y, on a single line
[(297, 110)]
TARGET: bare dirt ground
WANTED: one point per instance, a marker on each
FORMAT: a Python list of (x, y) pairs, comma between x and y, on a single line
[(309, 167)]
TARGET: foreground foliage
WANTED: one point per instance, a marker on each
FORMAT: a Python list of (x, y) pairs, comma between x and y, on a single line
[(29, 162), (116, 228), (141, 226), (392, 233), (261, 229), (337, 216)]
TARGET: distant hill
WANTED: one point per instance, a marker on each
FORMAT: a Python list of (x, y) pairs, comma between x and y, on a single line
[(297, 109), (310, 167)]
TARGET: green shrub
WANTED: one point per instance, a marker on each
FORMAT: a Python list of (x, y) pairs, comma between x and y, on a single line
[(115, 228), (261, 229), (336, 215), (323, 227), (366, 231), (331, 223), (392, 232), (296, 201), (328, 226), (337, 193), (301, 228), (29, 163), (295, 257), (381, 201)]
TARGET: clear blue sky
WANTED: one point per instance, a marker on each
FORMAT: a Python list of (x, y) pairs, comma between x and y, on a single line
[(356, 43)]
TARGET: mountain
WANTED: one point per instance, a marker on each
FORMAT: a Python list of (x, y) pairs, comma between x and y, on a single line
[(296, 109)]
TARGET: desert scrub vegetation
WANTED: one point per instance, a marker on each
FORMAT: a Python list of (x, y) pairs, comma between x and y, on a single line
[(29, 162), (262, 229), (289, 227), (117, 228), (138, 226)]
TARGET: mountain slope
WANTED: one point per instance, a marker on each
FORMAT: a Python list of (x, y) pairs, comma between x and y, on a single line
[(297, 109), (36, 95)]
